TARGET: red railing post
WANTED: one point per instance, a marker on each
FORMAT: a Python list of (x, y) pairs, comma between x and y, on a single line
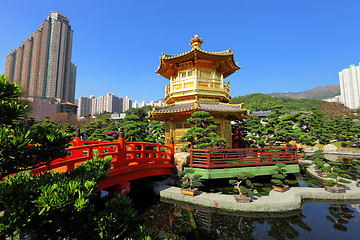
[(77, 138), (295, 151), (77, 142), (172, 150), (122, 148), (208, 157), (191, 157), (287, 151), (90, 152)]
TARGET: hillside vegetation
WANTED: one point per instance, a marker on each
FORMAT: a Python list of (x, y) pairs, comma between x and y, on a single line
[(263, 102)]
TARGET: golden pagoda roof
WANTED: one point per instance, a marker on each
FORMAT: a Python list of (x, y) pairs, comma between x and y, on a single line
[(232, 111), (223, 60)]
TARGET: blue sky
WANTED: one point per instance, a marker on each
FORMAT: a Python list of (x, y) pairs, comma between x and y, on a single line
[(281, 45)]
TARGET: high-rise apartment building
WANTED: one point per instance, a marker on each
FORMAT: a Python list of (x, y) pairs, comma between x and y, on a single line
[(84, 106), (127, 103), (158, 103), (109, 103), (350, 86), (42, 63)]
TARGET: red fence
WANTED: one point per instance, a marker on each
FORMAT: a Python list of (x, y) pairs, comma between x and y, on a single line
[(241, 157), (131, 160)]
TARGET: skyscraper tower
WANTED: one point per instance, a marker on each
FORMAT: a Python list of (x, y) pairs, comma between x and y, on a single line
[(42, 64), (350, 86)]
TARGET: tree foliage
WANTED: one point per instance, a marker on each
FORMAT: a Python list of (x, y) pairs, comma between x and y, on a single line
[(51, 205), (156, 132), (279, 176), (12, 108), (189, 179), (140, 112), (134, 129), (263, 102), (335, 110), (62, 205), (246, 190), (203, 133)]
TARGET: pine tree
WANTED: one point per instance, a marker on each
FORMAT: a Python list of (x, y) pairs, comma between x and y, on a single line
[(204, 132), (134, 129), (156, 132)]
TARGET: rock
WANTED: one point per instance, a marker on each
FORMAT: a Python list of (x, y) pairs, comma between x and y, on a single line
[(315, 148), (182, 159), (329, 157), (330, 147)]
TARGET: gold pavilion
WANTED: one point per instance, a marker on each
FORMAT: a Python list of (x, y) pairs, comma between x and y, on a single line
[(197, 84)]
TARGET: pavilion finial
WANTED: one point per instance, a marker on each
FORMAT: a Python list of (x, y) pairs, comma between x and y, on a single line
[(196, 42)]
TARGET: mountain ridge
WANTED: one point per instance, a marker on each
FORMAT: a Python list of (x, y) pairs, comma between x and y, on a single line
[(325, 92)]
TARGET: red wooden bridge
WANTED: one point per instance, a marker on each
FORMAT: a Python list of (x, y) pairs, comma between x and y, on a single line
[(131, 160)]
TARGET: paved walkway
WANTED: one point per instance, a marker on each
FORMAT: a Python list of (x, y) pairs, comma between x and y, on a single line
[(275, 202), (337, 152)]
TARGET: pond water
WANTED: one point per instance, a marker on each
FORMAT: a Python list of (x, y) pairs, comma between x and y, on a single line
[(316, 220)]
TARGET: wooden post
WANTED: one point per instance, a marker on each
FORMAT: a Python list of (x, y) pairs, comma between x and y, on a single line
[(295, 152), (77, 142), (77, 138), (122, 148), (172, 149), (208, 157), (191, 157), (90, 152)]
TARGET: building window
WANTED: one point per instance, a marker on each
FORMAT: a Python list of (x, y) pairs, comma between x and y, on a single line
[(205, 74)]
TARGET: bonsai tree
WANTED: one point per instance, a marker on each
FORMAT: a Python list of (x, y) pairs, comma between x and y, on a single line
[(334, 173), (203, 133), (279, 176), (244, 191), (318, 159), (189, 181)]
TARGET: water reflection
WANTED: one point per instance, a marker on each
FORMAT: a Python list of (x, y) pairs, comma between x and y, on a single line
[(340, 215), (185, 221)]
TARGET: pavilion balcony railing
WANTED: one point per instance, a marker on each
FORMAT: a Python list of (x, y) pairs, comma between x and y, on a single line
[(241, 157), (201, 84)]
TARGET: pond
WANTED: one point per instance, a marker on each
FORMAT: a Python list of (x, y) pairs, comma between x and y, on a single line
[(316, 220)]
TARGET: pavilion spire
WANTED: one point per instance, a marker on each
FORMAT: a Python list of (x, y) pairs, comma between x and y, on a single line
[(196, 42)]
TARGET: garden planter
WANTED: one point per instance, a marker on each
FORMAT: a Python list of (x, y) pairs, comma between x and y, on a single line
[(322, 174), (281, 188), (191, 192), (242, 199), (334, 189)]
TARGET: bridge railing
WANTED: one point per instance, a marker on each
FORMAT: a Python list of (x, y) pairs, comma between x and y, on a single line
[(241, 157), (124, 154)]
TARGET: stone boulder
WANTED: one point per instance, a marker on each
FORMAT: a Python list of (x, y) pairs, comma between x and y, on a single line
[(329, 157), (330, 147), (182, 159)]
